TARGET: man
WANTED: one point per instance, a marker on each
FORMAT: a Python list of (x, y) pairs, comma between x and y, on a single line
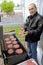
[(32, 30)]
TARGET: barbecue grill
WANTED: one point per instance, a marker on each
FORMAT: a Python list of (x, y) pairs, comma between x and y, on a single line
[(14, 58)]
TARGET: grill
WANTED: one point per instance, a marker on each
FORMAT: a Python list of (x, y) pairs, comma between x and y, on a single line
[(14, 58)]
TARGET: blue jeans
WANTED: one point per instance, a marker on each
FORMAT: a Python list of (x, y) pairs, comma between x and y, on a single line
[(32, 52)]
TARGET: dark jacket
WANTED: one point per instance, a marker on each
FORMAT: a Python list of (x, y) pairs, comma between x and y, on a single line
[(34, 25)]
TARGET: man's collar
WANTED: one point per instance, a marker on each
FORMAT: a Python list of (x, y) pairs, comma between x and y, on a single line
[(31, 16)]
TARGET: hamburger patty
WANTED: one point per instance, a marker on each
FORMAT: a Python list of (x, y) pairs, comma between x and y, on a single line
[(30, 63), (16, 46), (6, 39), (10, 46), (10, 51), (8, 42), (14, 42), (19, 51), (13, 39)]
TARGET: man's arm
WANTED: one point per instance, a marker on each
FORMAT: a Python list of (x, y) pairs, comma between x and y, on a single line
[(39, 28)]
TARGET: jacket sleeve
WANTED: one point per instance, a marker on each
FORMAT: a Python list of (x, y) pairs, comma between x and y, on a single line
[(39, 29), (26, 24)]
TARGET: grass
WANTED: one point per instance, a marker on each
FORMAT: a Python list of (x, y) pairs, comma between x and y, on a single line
[(16, 28)]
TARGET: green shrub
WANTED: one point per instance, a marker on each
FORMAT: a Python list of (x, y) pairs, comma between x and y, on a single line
[(7, 6)]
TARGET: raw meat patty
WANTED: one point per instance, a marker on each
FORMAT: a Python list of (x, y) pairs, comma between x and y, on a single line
[(14, 42), (10, 51), (13, 39), (19, 51), (30, 63), (6, 39), (16, 46), (10, 46), (8, 42), (11, 36)]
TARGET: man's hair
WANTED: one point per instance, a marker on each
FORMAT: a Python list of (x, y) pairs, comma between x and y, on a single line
[(33, 4)]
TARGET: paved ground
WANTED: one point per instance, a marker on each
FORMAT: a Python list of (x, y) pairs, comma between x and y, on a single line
[(17, 19)]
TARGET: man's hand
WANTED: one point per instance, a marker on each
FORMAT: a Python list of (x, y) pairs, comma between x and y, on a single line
[(21, 32), (25, 33)]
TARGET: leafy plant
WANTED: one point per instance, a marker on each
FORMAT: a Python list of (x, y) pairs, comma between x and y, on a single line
[(7, 6)]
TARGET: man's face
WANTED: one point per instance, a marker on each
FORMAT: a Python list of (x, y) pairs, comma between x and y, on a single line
[(32, 9)]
